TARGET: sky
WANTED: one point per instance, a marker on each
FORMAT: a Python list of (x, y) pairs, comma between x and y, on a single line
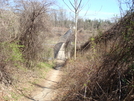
[(95, 9)]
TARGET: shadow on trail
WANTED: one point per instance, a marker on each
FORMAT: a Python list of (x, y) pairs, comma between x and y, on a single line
[(47, 89), (26, 96), (40, 86), (51, 81)]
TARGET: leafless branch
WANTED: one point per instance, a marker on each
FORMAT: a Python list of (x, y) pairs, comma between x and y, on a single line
[(79, 5), (72, 4), (68, 6)]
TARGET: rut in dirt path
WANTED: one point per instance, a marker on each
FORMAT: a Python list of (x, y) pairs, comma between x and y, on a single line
[(49, 91)]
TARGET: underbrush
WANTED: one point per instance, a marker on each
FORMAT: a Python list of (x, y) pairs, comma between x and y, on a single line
[(22, 37), (24, 82), (105, 70), (9, 55)]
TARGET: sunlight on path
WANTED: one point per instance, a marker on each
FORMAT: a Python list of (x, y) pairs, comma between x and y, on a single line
[(49, 91)]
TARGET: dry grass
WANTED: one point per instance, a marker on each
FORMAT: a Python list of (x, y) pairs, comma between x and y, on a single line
[(105, 70), (24, 82)]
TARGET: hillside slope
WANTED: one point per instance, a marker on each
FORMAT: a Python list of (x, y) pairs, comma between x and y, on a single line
[(104, 69)]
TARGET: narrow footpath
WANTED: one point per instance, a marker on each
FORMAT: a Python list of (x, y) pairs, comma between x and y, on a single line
[(48, 91)]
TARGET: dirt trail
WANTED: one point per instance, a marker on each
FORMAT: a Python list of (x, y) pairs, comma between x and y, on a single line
[(48, 92)]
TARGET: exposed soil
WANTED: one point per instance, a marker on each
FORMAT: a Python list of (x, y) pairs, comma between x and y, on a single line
[(46, 90)]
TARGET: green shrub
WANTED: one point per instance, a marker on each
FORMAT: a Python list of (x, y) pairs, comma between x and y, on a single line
[(11, 53)]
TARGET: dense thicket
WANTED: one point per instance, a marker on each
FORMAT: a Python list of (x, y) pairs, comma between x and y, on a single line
[(34, 25), (23, 30)]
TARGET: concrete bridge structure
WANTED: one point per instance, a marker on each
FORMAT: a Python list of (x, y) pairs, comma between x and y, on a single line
[(63, 49)]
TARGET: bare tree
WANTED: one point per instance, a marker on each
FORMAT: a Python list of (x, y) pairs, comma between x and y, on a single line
[(76, 7), (33, 25)]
